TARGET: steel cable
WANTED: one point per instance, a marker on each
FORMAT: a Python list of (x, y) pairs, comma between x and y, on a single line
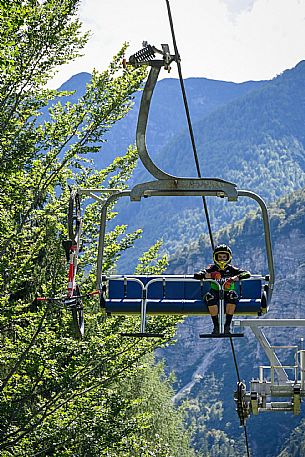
[(238, 378), (189, 122), (199, 173)]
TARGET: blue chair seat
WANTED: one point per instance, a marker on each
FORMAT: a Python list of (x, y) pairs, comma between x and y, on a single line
[(123, 306), (164, 306), (179, 296), (195, 307)]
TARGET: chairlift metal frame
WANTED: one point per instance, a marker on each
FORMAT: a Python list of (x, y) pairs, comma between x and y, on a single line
[(165, 184), (267, 392)]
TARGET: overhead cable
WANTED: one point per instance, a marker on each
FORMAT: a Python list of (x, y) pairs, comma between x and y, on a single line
[(189, 122)]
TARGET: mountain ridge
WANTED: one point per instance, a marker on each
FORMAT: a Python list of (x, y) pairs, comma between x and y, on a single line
[(203, 95), (256, 141)]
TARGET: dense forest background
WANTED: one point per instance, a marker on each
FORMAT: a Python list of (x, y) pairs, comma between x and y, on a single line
[(105, 395)]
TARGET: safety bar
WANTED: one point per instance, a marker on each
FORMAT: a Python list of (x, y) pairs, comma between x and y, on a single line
[(143, 300), (175, 277), (101, 243)]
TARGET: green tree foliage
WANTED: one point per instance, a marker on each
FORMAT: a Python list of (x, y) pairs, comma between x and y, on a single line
[(152, 405), (60, 396), (205, 417)]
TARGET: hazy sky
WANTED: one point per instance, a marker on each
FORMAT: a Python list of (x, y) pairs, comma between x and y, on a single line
[(232, 40)]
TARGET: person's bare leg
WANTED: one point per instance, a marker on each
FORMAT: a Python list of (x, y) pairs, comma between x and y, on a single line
[(213, 310), (230, 308)]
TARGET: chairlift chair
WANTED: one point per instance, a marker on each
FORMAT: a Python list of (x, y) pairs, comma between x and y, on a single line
[(175, 294)]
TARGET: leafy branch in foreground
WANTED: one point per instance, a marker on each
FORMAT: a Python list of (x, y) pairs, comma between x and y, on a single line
[(58, 394)]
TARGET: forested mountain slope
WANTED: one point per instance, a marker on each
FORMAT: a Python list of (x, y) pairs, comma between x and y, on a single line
[(294, 446), (167, 116), (275, 111), (205, 369), (256, 141)]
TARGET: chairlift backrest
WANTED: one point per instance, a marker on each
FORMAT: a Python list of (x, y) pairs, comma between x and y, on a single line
[(173, 295)]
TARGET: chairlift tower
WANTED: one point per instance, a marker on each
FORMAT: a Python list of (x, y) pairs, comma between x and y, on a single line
[(279, 388)]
